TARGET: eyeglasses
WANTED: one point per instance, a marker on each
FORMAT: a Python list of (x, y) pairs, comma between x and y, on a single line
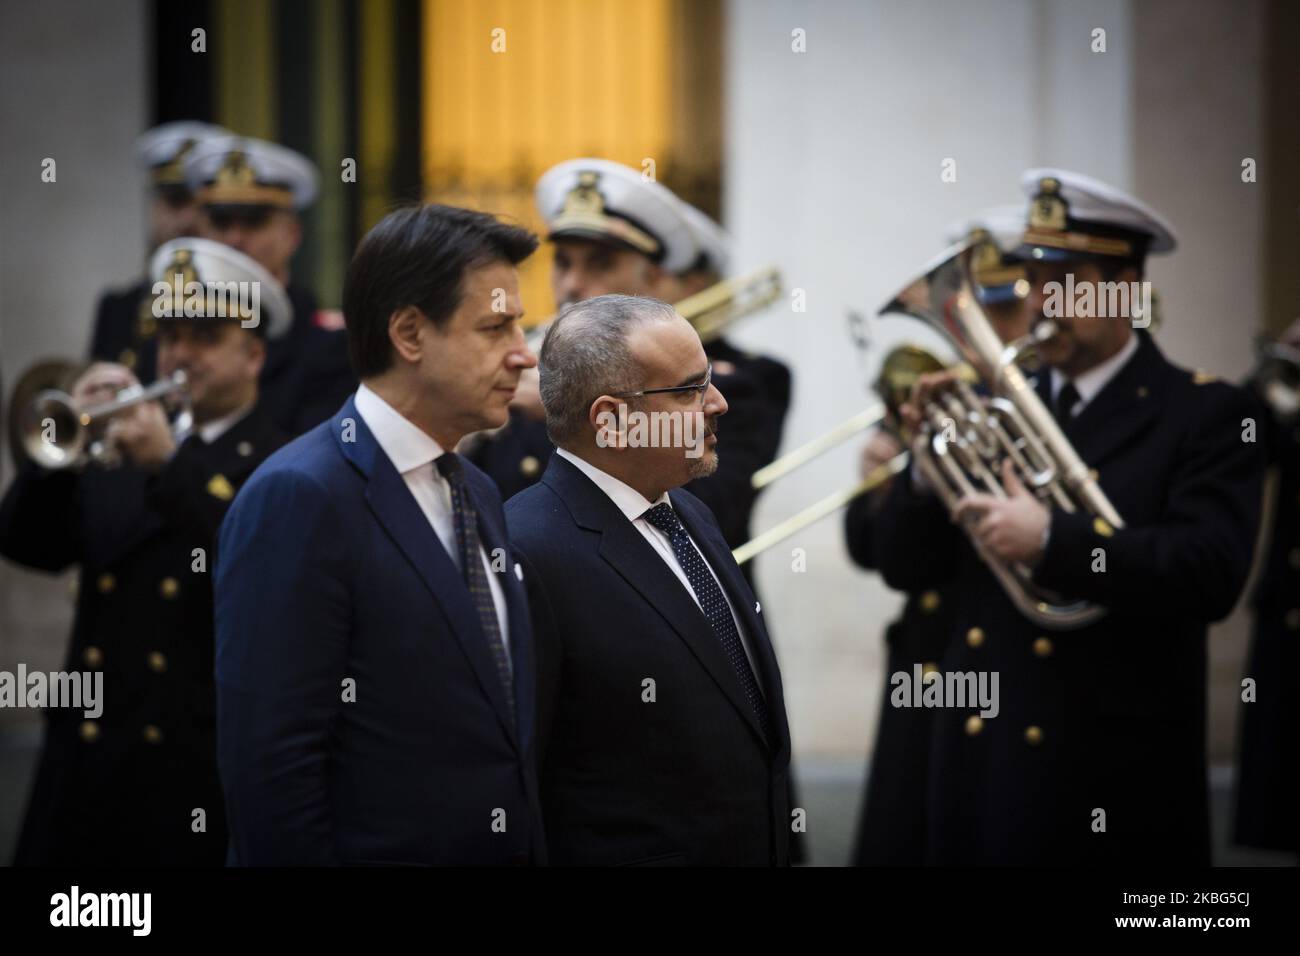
[(701, 389)]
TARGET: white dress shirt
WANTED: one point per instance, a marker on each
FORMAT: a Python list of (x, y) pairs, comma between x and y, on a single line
[(413, 452), (1089, 383), (634, 505), (212, 430)]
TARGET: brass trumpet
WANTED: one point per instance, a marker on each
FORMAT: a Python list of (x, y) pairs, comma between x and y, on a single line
[(56, 433)]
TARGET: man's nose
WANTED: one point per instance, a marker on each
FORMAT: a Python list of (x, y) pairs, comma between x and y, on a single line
[(714, 402)]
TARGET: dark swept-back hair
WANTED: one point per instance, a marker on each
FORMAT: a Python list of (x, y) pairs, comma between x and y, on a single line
[(418, 255)]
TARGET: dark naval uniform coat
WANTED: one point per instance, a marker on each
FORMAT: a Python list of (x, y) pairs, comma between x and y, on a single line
[(1268, 789), (122, 789), (1097, 753), (891, 824)]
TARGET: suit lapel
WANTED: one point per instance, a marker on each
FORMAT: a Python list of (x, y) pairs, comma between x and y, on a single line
[(629, 554), (742, 600), (397, 511)]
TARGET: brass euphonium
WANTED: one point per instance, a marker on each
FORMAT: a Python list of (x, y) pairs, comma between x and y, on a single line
[(966, 436)]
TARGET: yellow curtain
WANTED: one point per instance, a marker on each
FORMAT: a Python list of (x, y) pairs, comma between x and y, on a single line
[(511, 87)]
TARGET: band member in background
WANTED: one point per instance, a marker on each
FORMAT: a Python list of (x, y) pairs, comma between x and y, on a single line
[(375, 672), (125, 327), (138, 785), (1097, 752), (250, 193), (662, 736), (1268, 788), (891, 827), (615, 231)]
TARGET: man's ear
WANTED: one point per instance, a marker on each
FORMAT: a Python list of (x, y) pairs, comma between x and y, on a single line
[(404, 332), (257, 352), (603, 416)]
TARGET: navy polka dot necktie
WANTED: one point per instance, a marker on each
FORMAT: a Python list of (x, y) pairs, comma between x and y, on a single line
[(471, 566), (714, 604)]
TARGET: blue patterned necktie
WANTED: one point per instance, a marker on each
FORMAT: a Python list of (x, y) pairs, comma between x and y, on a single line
[(714, 604), (471, 566)]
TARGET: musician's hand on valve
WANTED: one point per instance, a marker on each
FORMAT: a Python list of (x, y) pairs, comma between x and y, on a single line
[(100, 383), (1010, 528), (143, 433), (923, 391)]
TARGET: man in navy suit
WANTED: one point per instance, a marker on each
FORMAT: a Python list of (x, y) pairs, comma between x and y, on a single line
[(374, 652), (662, 736)]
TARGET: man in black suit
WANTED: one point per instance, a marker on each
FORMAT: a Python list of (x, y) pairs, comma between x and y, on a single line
[(374, 656), (138, 785), (1096, 750), (661, 719)]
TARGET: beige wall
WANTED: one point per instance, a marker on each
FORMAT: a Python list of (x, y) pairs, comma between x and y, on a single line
[(74, 90)]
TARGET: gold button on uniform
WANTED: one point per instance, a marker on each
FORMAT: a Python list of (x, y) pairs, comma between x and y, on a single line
[(157, 662), (928, 668), (169, 588), (1102, 527), (106, 583), (89, 731), (92, 656), (1293, 619), (1043, 647), (1033, 735), (930, 602), (975, 637), (529, 466), (244, 449), (151, 734), (974, 725)]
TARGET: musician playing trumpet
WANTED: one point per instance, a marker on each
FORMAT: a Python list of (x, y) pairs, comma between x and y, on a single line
[(1098, 752), (137, 785)]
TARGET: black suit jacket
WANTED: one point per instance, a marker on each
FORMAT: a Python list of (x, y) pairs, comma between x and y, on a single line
[(687, 778), (329, 572)]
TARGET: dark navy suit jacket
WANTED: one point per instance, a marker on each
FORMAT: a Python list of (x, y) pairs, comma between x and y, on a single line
[(360, 716), (688, 778)]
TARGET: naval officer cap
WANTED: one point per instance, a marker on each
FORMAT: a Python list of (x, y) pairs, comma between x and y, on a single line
[(608, 202), (164, 149), (996, 265), (207, 263), (712, 239), (237, 171), (1072, 216)]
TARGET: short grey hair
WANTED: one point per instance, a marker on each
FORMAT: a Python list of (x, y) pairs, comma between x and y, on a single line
[(585, 355)]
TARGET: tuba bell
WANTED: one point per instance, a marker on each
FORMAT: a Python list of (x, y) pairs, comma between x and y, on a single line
[(966, 436)]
